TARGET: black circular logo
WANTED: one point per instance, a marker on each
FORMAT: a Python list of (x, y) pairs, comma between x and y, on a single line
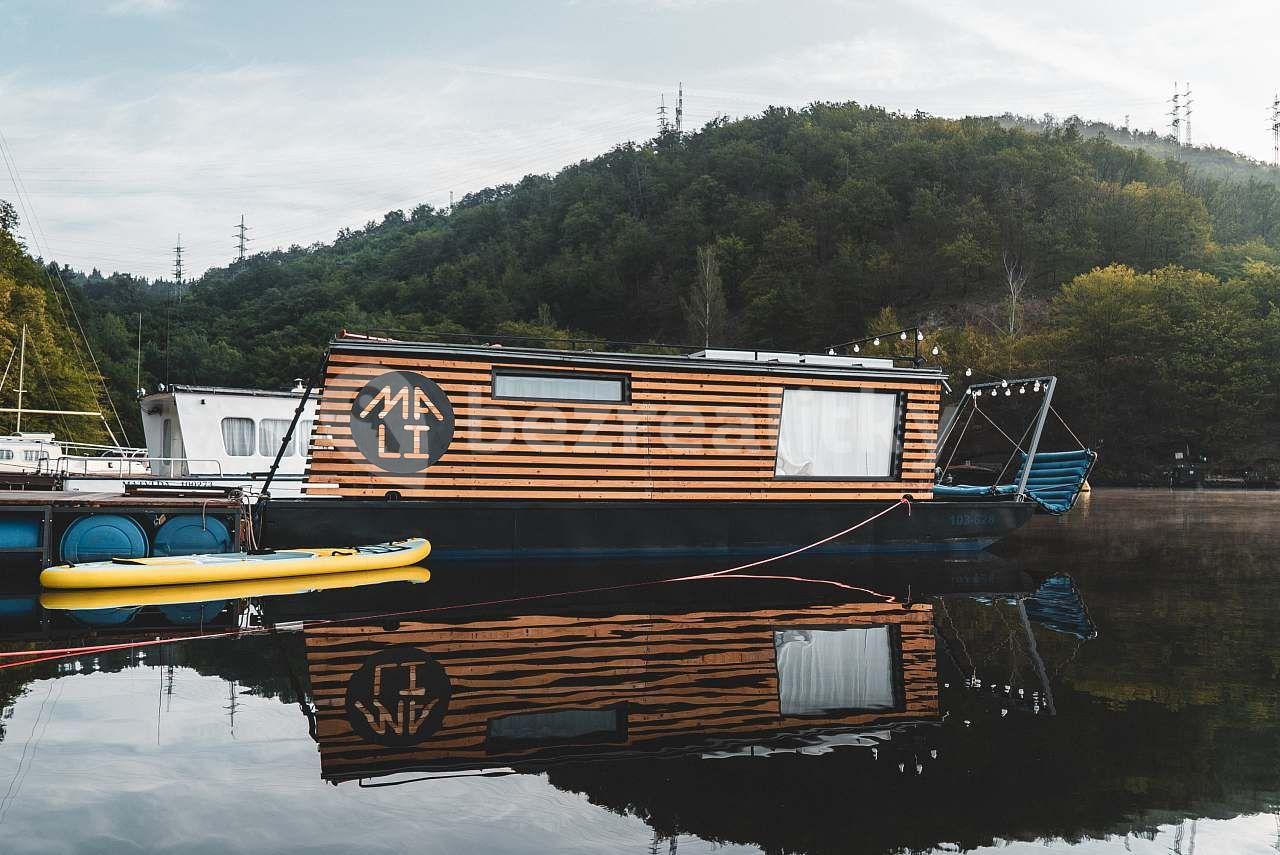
[(402, 421), (398, 697)]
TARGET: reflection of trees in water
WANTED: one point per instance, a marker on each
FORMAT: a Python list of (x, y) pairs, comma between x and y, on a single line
[(1161, 720), (257, 663)]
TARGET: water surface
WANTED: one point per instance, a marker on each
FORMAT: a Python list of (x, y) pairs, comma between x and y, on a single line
[(1105, 682)]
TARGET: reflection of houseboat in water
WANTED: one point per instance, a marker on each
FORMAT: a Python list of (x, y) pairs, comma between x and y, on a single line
[(536, 690), (495, 450)]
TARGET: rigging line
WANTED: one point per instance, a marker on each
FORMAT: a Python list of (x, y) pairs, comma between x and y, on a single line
[(61, 420), (20, 187), (22, 758), (1063, 422), (1018, 448), (4, 379), (956, 447), (959, 637)]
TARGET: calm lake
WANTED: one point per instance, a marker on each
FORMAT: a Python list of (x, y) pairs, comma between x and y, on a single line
[(1104, 682)]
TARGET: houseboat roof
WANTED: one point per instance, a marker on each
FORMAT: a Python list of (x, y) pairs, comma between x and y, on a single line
[(173, 388), (729, 361)]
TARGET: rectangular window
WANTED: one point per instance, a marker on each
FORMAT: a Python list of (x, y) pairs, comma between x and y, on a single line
[(560, 387), (271, 433), (840, 670), (6, 454), (837, 434), (237, 437), (31, 455), (557, 727)]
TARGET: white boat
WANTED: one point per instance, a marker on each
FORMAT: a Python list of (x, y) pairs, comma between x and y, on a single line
[(202, 437)]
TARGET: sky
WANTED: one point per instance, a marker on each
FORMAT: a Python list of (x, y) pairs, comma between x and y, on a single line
[(130, 122)]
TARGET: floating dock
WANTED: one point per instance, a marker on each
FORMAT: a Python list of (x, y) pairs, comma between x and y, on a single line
[(38, 526)]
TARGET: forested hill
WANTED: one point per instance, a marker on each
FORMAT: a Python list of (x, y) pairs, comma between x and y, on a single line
[(798, 229)]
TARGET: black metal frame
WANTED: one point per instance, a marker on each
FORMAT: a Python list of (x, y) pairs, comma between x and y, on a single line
[(507, 371), (899, 437), (897, 669)]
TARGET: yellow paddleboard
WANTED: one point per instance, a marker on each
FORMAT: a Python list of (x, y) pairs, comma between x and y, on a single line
[(234, 566), (169, 595)]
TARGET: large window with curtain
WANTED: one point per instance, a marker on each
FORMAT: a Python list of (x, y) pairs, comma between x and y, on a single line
[(559, 387), (835, 670), (826, 434), (238, 437), (270, 434)]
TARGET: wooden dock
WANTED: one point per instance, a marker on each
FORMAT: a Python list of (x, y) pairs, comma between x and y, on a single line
[(54, 510)]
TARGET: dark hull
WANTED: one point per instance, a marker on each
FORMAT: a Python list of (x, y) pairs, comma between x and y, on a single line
[(526, 529)]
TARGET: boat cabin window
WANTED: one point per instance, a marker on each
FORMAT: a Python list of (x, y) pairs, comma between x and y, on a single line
[(238, 437), (560, 387), (6, 454), (30, 455), (826, 434), (271, 433), (835, 670)]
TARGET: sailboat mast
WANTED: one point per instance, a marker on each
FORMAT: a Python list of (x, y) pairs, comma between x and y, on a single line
[(22, 365)]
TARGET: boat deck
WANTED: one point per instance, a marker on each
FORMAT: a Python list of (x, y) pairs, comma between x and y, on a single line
[(66, 499)]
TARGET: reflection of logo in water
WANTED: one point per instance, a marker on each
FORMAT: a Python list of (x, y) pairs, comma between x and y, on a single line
[(402, 421), (399, 696)]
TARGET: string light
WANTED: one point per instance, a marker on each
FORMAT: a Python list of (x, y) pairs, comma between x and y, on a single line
[(968, 372), (1004, 384), (831, 351), (935, 350), (1008, 392), (1022, 390), (903, 335), (919, 336), (877, 341), (857, 349), (1036, 387)]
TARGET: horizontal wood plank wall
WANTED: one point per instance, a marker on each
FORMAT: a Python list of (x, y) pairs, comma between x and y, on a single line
[(684, 435), (684, 678)]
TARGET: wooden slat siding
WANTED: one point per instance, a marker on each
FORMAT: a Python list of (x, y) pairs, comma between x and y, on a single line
[(684, 435), (684, 678)]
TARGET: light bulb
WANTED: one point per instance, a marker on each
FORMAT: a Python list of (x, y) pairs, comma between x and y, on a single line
[(935, 350), (1008, 392), (919, 336), (1004, 383), (903, 335), (1022, 390), (857, 348), (968, 372), (1036, 387), (877, 341), (831, 351)]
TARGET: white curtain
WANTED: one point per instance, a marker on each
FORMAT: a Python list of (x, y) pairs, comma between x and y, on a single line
[(556, 388), (237, 437), (270, 434), (836, 434), (834, 670)]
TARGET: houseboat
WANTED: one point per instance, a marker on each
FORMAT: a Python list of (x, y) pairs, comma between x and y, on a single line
[(499, 450)]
